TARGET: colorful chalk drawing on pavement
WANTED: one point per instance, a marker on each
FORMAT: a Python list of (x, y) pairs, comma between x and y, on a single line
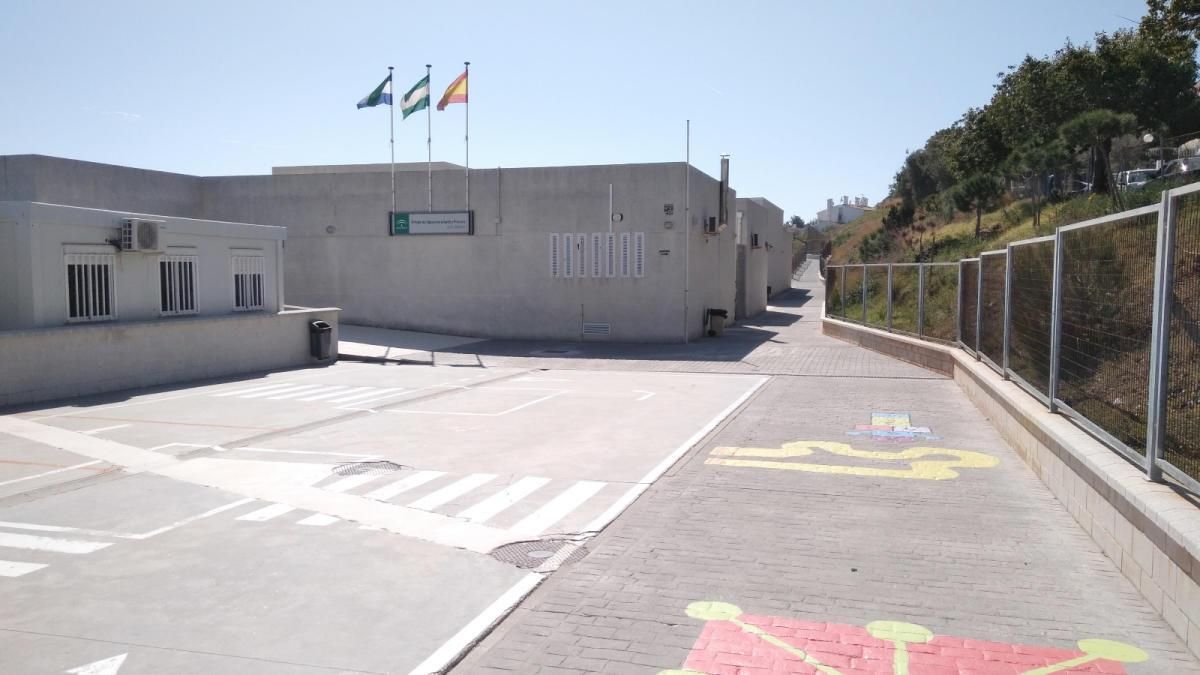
[(733, 643), (918, 467), (893, 427)]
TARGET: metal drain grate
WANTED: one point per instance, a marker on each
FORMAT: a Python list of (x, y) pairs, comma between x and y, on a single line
[(367, 468), (555, 351), (532, 554)]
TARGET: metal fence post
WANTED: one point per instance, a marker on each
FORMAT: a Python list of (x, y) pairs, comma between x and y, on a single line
[(864, 294), (1056, 320), (1008, 274), (889, 298), (958, 308), (978, 307), (842, 276), (1160, 339), (921, 300)]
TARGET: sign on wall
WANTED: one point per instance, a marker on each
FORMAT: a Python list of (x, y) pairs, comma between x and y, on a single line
[(432, 222)]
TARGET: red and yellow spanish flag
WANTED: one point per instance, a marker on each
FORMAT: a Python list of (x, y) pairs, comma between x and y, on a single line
[(455, 93)]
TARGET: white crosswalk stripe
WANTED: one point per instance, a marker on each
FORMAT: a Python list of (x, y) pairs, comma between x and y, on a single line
[(558, 508), (254, 389), (296, 393), (404, 485), (366, 395), (267, 512), (275, 392), (333, 391), (338, 394), (55, 544), (9, 568), (454, 490), (484, 510)]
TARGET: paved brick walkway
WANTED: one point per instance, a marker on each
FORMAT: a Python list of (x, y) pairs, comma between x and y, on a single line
[(808, 560)]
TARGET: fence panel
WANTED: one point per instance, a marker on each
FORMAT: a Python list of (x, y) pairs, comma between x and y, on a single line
[(877, 297), (1107, 298), (833, 291), (991, 318), (1029, 327), (1181, 442), (854, 292), (941, 302), (904, 298), (968, 303)]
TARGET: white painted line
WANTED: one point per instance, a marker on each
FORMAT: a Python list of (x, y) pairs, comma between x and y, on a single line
[(307, 452), (275, 392), (367, 396), (529, 378), (318, 520), (469, 634), (652, 475), (333, 391), (266, 513), (109, 666), (556, 509), (8, 568), (298, 393), (113, 427), (34, 543), (50, 473), (375, 400), (189, 519), (475, 414), (404, 485), (352, 393), (350, 482), (31, 526), (255, 389), (644, 394), (456, 489), (486, 509), (164, 446)]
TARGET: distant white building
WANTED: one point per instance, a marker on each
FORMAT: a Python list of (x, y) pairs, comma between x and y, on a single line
[(839, 214)]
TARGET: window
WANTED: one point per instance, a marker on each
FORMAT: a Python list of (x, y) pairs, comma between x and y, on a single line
[(597, 255), (639, 254), (90, 291), (177, 284), (248, 273), (624, 254), (554, 255), (568, 255)]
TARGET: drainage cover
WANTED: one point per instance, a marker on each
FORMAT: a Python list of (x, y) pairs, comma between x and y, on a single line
[(555, 352), (531, 554), (367, 468)]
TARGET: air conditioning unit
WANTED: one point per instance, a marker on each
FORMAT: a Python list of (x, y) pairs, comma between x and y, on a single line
[(140, 235)]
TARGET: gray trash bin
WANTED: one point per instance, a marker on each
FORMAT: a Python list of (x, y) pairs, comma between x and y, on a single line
[(320, 335), (716, 321)]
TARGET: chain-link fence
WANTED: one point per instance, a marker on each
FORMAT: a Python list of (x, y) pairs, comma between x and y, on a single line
[(968, 304), (992, 267), (1031, 299), (1106, 299), (1181, 402), (1100, 321), (906, 281), (877, 295), (853, 302)]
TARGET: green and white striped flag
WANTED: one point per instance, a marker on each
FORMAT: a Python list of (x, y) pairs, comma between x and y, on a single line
[(417, 98)]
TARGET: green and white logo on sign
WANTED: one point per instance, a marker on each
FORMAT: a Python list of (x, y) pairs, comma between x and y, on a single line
[(432, 222)]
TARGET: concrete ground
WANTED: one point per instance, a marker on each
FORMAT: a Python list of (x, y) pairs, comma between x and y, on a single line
[(378, 516)]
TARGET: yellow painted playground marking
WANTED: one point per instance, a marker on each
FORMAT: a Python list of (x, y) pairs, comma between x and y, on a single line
[(922, 469)]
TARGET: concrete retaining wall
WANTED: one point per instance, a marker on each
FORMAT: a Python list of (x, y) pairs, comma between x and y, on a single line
[(1149, 530), (53, 363)]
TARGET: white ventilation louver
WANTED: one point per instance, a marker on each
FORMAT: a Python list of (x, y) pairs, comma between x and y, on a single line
[(596, 328)]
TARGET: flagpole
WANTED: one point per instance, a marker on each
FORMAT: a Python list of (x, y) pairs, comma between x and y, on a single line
[(467, 128), (392, 142), (429, 134)]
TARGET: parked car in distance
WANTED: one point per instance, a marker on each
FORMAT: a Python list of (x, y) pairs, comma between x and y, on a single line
[(1179, 167), (1135, 178)]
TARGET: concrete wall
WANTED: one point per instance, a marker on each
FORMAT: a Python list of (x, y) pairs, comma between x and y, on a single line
[(53, 363), (42, 233), (756, 281), (778, 242), (54, 180), (494, 283), (1149, 530)]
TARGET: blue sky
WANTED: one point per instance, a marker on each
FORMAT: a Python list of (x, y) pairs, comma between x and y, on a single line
[(811, 99)]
